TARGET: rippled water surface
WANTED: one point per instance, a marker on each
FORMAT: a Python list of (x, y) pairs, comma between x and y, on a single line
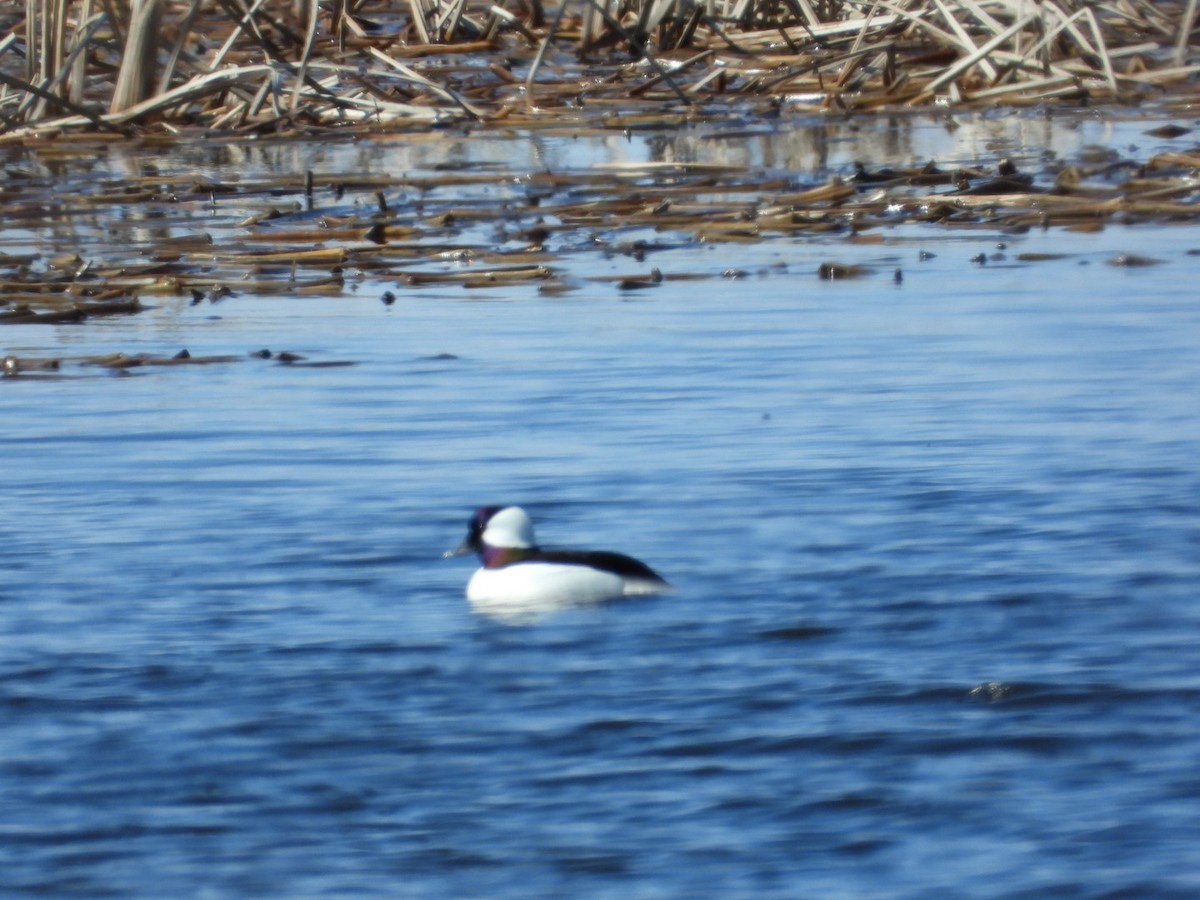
[(935, 542)]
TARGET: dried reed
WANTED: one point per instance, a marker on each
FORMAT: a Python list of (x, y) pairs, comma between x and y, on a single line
[(283, 65)]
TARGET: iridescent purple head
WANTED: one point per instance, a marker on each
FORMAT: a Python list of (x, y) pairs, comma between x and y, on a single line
[(499, 534)]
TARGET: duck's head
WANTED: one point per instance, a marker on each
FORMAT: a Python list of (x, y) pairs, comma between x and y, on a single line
[(496, 528)]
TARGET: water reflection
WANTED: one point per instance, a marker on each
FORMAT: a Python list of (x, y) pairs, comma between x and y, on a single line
[(117, 201), (124, 205), (527, 612), (796, 143)]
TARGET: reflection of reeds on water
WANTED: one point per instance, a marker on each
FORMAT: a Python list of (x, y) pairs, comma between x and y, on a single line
[(287, 65), (327, 235)]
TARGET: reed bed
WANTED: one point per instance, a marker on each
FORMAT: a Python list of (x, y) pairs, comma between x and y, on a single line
[(268, 66)]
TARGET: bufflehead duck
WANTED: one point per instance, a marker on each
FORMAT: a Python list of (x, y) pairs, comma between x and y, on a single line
[(517, 572)]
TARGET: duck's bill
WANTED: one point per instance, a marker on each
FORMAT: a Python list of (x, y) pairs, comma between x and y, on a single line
[(460, 550)]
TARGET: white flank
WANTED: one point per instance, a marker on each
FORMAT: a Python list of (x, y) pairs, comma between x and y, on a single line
[(539, 583)]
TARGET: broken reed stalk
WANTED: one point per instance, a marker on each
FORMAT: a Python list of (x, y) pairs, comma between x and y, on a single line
[(1185, 33), (86, 115), (49, 93), (313, 14), (541, 53), (185, 28), (418, 20), (136, 75), (420, 79), (78, 68), (963, 64), (637, 45), (46, 32)]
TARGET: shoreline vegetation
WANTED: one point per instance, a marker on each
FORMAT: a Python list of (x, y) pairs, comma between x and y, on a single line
[(169, 68)]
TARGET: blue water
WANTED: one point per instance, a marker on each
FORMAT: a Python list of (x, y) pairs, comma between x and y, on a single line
[(936, 547)]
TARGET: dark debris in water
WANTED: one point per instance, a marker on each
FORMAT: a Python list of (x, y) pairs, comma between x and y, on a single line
[(321, 234), (835, 271), (43, 368), (427, 234), (1133, 261), (56, 307), (138, 360), (418, 240), (1169, 132)]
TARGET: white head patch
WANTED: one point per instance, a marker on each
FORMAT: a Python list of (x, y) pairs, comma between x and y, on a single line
[(510, 527)]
